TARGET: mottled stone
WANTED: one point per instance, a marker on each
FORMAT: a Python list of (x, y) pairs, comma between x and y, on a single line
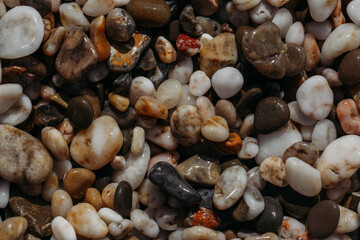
[(13, 228), (119, 25), (347, 69), (24, 159), (76, 56), (189, 23), (296, 59), (38, 217), (98, 38), (305, 151), (42, 6)]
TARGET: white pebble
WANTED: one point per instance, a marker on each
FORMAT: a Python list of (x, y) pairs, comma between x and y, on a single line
[(320, 10), (72, 17), (283, 19), (121, 3), (4, 193), (169, 219), (353, 9), (161, 135), (320, 30), (144, 224), (302, 177), (315, 98), (297, 116), (186, 97), (54, 141), (263, 12), (205, 106), (245, 4), (204, 39), (150, 194), (323, 134), (250, 148), (140, 86), (21, 32), (169, 93), (108, 215), (349, 221), (182, 70), (95, 8), (62, 229), (199, 83), (306, 132), (18, 112), (215, 129), (10, 93), (227, 82), (295, 34), (138, 140), (121, 229)]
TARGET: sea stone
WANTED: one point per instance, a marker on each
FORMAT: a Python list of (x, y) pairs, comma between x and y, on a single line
[(76, 56), (97, 145), (220, 52), (38, 217), (9, 94), (21, 32), (13, 228), (23, 158)]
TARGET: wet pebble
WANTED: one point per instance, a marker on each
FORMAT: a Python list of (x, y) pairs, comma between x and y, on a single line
[(272, 216), (201, 233), (123, 198), (215, 128), (227, 82), (348, 221), (77, 181), (61, 203), (272, 169), (96, 8), (149, 13), (251, 205)]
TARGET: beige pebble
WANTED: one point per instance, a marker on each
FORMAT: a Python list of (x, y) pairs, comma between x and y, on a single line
[(61, 203), (165, 50), (93, 197), (108, 194), (312, 52), (349, 221), (215, 129), (272, 169), (121, 103), (169, 93), (201, 233), (152, 107), (50, 185), (13, 228), (138, 140), (205, 106), (67, 129), (54, 42), (54, 141)]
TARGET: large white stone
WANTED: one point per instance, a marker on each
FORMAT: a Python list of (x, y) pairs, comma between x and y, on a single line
[(227, 82)]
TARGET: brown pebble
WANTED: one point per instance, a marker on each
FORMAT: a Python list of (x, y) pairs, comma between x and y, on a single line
[(93, 197), (77, 181)]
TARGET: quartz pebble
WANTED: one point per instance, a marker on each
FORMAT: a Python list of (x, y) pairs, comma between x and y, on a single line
[(348, 221), (251, 205), (351, 10), (323, 134), (205, 106), (18, 112), (199, 83), (296, 115), (312, 52), (121, 229), (150, 195), (272, 169), (161, 135), (15, 41), (61, 203), (308, 152), (250, 148), (86, 221), (226, 194), (292, 228), (283, 20), (108, 215), (140, 86), (169, 93), (95, 8), (10, 93), (320, 30), (182, 69), (72, 17), (215, 129), (227, 82), (13, 228), (62, 229), (295, 34), (201, 233), (144, 224), (348, 114), (263, 12), (321, 10)]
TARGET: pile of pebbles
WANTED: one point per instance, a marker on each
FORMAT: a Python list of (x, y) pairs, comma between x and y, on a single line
[(180, 120)]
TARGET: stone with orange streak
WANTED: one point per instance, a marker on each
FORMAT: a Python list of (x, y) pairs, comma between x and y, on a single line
[(232, 145), (349, 116), (337, 17), (86, 221), (123, 57), (152, 107), (108, 195), (98, 38), (203, 217), (61, 203), (312, 52), (93, 197)]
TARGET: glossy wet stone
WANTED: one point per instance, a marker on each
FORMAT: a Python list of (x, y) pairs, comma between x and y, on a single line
[(250, 206), (272, 216), (17, 74), (119, 25), (189, 23), (347, 70), (149, 13), (200, 170), (13, 228), (123, 198), (205, 8), (38, 217), (24, 159), (47, 115), (203, 217), (305, 151), (165, 176), (322, 219), (98, 38), (264, 49), (271, 114), (123, 59), (77, 181), (76, 56), (296, 59), (80, 111)]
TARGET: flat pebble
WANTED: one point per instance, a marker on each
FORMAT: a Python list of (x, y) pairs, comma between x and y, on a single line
[(315, 98), (272, 169), (169, 93), (72, 17), (227, 82), (230, 187), (201, 233), (13, 227), (297, 171), (62, 229), (338, 161), (15, 41)]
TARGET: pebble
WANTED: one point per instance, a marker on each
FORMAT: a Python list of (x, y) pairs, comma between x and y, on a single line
[(201, 233), (149, 13), (251, 205), (352, 9), (271, 114), (338, 161), (219, 53), (263, 12), (165, 176), (215, 129), (182, 69), (38, 217), (270, 59), (169, 93), (98, 38), (347, 74), (315, 98), (50, 185), (93, 197), (10, 93), (4, 193), (348, 221), (148, 61), (272, 169), (272, 216), (13, 228), (205, 8), (161, 135), (96, 8), (305, 151), (61, 203), (144, 224), (295, 34), (236, 17), (103, 140), (15, 42), (168, 218), (343, 39), (77, 181), (86, 221), (296, 173), (250, 148), (348, 113), (189, 22), (62, 167), (165, 50), (226, 109), (230, 187), (18, 112), (283, 19), (108, 216), (205, 106), (150, 195), (323, 134), (199, 83), (292, 229), (54, 42), (276, 143), (255, 179), (320, 30), (227, 82), (140, 86), (123, 198), (121, 103), (338, 192), (136, 168), (312, 52), (80, 112), (62, 229), (18, 155), (150, 106), (120, 230), (72, 17), (108, 195), (245, 5), (321, 10), (200, 170), (170, 157), (297, 116)]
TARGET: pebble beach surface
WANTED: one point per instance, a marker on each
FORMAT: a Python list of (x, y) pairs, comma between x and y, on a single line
[(179, 119)]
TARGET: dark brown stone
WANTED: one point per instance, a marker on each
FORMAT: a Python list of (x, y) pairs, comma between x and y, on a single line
[(47, 115), (205, 7), (241, 32), (16, 74), (323, 219), (189, 23), (42, 6), (248, 101), (32, 64), (123, 198), (271, 114), (209, 26), (38, 217), (348, 70), (81, 112), (76, 56), (296, 59), (119, 25), (149, 13)]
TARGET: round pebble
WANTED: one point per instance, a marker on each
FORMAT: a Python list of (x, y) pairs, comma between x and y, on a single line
[(227, 82)]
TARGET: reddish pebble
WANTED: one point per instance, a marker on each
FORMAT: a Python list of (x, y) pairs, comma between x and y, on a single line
[(203, 217), (187, 45)]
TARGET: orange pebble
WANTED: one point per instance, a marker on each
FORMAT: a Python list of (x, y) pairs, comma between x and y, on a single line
[(108, 194), (232, 145), (93, 197), (98, 38), (204, 217)]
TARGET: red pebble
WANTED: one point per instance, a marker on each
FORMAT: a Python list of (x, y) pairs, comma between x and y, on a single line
[(203, 217), (187, 45)]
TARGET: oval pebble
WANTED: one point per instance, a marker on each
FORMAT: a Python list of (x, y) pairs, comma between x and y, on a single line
[(18, 112), (251, 205), (201, 233), (215, 129), (144, 224), (199, 83), (62, 229), (4, 193), (320, 10), (227, 82), (108, 215), (272, 169), (272, 216), (352, 10), (296, 115), (21, 31), (283, 19), (95, 8), (61, 203), (323, 134), (169, 93)]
